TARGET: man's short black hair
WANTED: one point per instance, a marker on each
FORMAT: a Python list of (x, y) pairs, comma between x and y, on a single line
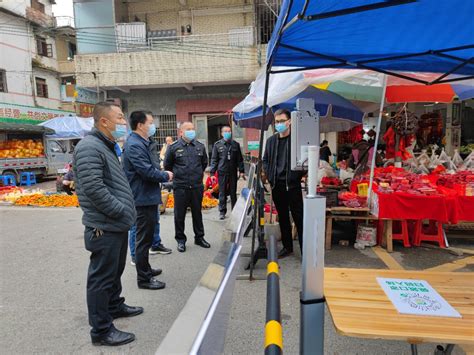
[(324, 142), (101, 109), (137, 117), (225, 126), (283, 111)]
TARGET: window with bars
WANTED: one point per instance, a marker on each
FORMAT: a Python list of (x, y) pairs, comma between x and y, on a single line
[(3, 81), (41, 87), (165, 126), (43, 48), (266, 13)]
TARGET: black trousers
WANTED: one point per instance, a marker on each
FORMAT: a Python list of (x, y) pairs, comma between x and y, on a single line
[(227, 186), (184, 198), (286, 201), (146, 222), (107, 262)]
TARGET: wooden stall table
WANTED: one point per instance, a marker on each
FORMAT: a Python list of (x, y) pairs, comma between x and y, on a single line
[(360, 308), (344, 214)]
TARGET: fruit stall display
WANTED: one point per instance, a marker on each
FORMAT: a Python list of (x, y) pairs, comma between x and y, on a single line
[(17, 196), (17, 149), (207, 202), (54, 200)]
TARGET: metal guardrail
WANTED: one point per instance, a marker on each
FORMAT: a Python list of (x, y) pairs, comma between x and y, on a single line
[(273, 328), (201, 326)]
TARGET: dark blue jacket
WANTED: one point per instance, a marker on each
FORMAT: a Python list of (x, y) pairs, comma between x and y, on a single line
[(142, 168)]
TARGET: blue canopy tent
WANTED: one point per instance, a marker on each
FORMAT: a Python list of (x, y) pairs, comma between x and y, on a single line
[(69, 126), (337, 113), (387, 36)]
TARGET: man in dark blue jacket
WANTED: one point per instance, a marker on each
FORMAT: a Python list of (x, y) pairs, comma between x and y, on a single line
[(142, 168)]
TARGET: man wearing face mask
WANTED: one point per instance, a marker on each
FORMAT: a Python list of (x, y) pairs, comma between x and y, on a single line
[(106, 200), (226, 160), (142, 168), (187, 159), (285, 183)]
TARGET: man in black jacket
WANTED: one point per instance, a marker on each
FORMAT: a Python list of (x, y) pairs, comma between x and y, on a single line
[(226, 160), (187, 159), (285, 183), (107, 203), (142, 167)]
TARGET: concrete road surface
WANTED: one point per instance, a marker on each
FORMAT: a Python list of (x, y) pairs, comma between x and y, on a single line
[(44, 265)]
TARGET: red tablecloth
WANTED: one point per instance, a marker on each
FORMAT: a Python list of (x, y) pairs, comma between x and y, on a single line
[(449, 208), (466, 208), (400, 205)]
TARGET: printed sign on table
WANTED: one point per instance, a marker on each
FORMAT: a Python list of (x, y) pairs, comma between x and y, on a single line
[(416, 297)]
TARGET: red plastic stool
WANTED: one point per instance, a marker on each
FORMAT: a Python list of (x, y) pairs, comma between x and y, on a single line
[(401, 235), (433, 233)]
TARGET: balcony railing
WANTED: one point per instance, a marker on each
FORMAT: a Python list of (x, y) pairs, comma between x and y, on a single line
[(64, 21), (235, 39)]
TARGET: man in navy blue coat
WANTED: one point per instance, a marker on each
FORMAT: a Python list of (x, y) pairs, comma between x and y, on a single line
[(142, 168)]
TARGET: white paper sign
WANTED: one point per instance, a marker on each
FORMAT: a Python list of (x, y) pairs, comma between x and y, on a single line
[(416, 297)]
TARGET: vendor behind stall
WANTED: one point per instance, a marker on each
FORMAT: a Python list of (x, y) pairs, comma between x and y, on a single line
[(68, 181), (324, 151), (362, 151)]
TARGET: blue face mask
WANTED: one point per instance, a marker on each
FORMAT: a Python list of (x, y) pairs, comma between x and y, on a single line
[(152, 130), (119, 132), (227, 135), (190, 135), (281, 127)]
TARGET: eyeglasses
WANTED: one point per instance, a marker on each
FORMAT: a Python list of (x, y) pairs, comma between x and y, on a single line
[(280, 121)]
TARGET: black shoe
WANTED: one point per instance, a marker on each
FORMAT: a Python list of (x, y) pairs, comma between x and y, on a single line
[(114, 337), (153, 284), (222, 216), (283, 253), (127, 311), (202, 243), (156, 272), (181, 247), (160, 249)]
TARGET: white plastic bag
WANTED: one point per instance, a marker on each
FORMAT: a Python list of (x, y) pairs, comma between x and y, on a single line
[(366, 236), (457, 160)]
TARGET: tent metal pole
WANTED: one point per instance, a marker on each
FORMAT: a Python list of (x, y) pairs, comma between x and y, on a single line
[(377, 136), (261, 251)]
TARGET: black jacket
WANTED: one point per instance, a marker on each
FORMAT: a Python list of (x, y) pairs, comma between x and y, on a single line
[(104, 194), (226, 157), (187, 161), (142, 168), (293, 178)]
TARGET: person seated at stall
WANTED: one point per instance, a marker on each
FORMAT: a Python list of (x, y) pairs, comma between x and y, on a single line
[(68, 181), (211, 185)]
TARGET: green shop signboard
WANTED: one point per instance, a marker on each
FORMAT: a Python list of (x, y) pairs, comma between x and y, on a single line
[(28, 114), (253, 145)]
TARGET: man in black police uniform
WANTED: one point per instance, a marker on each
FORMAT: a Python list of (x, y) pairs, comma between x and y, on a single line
[(187, 159), (226, 159)]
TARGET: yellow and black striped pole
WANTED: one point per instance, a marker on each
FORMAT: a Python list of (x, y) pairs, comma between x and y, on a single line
[(273, 329)]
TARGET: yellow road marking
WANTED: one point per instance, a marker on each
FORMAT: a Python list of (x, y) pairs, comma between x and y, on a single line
[(454, 265), (273, 334), (465, 251), (388, 260)]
